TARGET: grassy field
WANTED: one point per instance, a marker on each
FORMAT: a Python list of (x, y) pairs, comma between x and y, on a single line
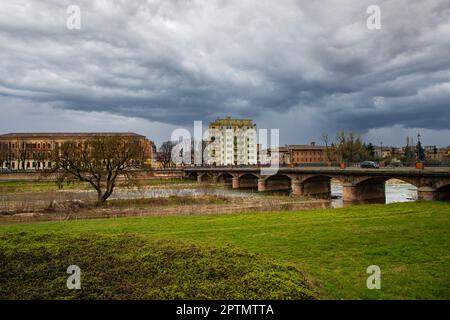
[(8, 187), (410, 242)]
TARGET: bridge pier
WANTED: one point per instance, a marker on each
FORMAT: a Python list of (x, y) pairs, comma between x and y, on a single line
[(235, 183), (296, 187), (365, 192), (427, 194), (432, 194), (262, 185)]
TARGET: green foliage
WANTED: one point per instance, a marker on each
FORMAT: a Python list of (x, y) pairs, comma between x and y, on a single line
[(370, 151), (130, 267), (346, 147), (420, 151)]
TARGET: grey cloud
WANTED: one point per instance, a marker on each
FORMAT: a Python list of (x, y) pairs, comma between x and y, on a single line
[(178, 61)]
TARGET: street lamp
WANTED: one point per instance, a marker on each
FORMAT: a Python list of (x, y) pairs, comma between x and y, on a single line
[(381, 150)]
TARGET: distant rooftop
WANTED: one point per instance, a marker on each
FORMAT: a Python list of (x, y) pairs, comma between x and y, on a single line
[(305, 147), (43, 135), (228, 121)]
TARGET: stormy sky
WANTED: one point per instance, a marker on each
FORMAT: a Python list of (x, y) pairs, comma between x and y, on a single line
[(305, 67)]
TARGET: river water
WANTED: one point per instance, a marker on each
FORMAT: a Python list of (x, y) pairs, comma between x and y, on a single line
[(395, 192)]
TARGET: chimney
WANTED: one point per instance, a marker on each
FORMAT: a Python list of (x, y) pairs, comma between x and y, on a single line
[(313, 143)]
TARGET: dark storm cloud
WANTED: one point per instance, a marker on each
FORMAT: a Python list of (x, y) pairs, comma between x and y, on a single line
[(179, 61)]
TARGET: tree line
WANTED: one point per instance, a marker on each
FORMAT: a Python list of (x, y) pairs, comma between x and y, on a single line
[(349, 147)]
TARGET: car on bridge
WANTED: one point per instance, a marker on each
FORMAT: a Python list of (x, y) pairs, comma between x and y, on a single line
[(369, 165)]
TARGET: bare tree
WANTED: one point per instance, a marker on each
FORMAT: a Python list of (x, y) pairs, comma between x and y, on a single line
[(164, 156), (349, 147), (4, 150), (99, 162), (22, 155), (329, 149)]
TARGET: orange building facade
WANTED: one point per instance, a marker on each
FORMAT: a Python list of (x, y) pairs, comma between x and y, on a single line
[(32, 151), (301, 154)]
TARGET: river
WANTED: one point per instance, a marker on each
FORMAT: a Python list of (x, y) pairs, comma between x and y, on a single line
[(395, 192)]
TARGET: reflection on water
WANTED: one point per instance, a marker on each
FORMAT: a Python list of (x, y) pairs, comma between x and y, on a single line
[(395, 192)]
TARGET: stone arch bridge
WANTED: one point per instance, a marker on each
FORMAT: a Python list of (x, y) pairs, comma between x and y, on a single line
[(359, 185)]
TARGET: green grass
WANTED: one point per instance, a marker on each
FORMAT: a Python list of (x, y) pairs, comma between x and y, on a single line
[(410, 242), (130, 267), (7, 187)]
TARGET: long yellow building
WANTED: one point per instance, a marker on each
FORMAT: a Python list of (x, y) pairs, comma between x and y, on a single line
[(32, 151)]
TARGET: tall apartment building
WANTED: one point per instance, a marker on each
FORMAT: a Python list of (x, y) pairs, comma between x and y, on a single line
[(232, 142), (32, 151)]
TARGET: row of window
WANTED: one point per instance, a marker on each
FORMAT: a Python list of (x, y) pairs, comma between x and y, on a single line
[(303, 159), (32, 164), (299, 153), (31, 145)]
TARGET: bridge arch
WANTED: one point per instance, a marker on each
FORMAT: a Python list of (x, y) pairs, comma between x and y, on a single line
[(276, 182), (443, 192), (191, 175), (225, 177), (249, 175), (442, 183), (366, 180), (246, 180), (379, 190), (207, 177), (318, 185)]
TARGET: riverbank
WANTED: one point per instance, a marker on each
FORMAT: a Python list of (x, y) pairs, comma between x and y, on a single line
[(44, 201), (163, 206), (410, 242)]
